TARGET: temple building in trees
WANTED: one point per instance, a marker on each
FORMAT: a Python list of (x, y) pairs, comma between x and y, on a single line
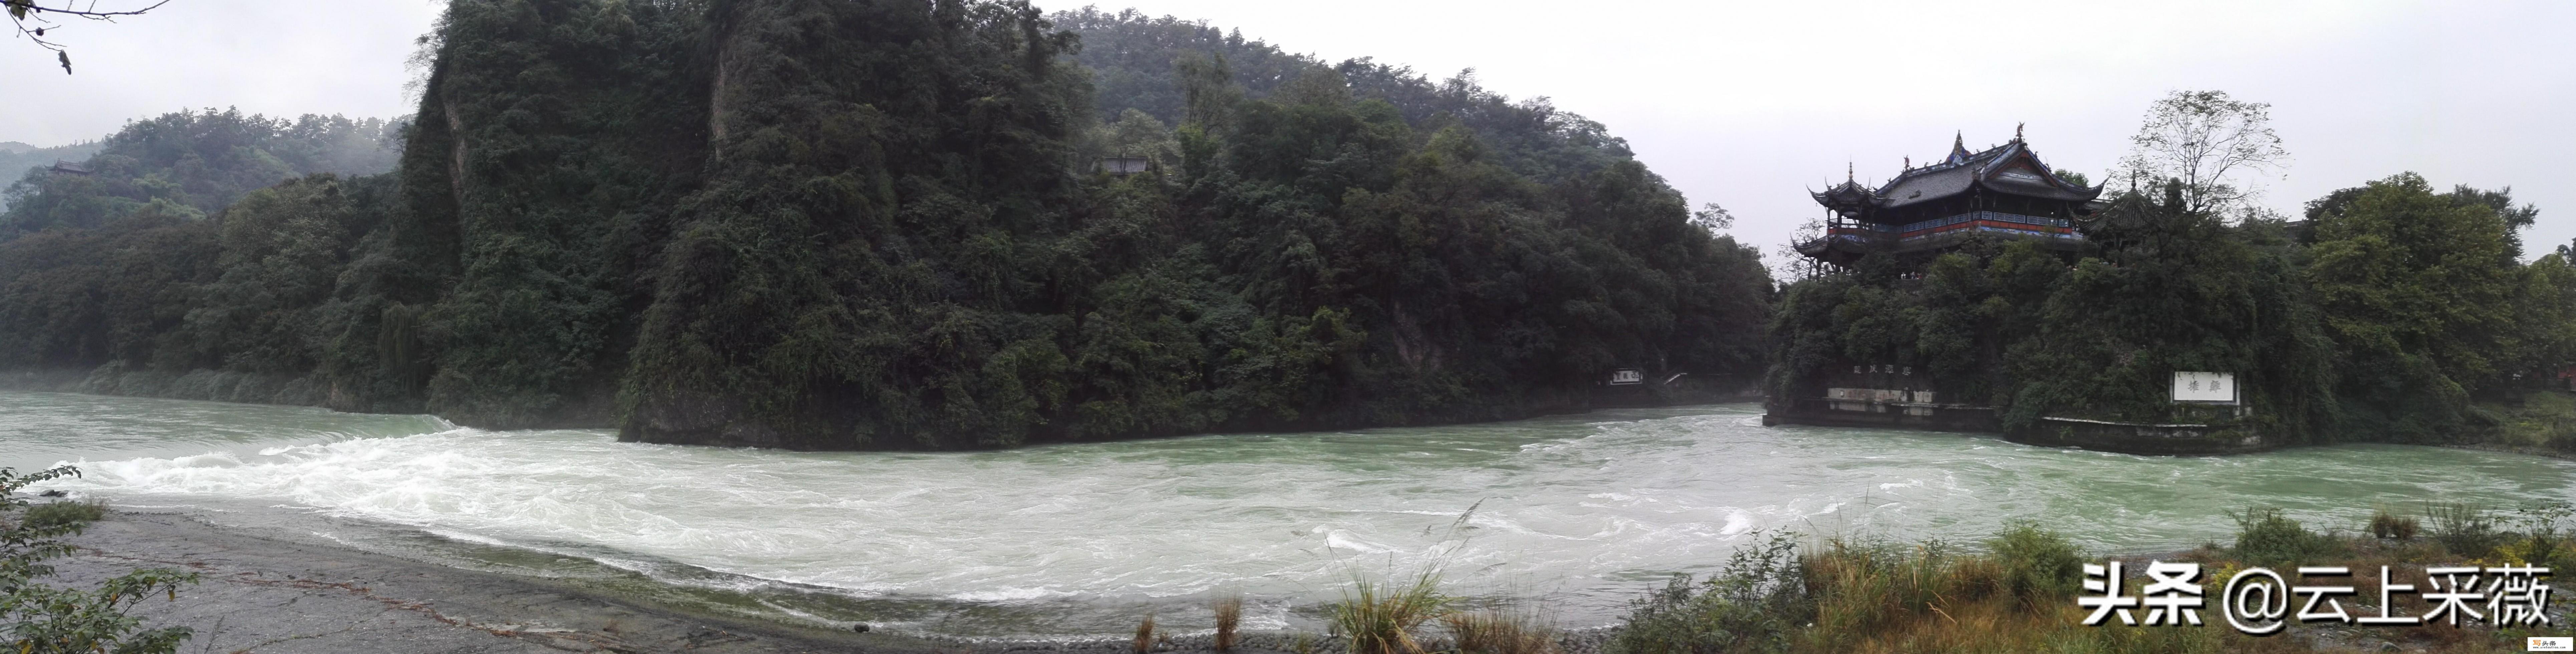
[(2002, 192)]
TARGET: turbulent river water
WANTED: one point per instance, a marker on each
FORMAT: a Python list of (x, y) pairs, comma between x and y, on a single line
[(1571, 515)]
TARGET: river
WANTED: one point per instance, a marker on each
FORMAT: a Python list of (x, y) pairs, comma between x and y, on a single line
[(1571, 515)]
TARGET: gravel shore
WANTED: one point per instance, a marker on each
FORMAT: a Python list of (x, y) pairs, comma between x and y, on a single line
[(269, 595)]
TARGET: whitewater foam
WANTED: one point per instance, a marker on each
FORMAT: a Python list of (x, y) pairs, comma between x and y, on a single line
[(1597, 508)]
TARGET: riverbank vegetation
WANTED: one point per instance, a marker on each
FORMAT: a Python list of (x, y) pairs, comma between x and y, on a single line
[(2394, 311), (865, 225), (38, 618), (2016, 591)]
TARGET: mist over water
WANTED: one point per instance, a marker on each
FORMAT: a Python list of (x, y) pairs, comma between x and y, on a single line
[(1577, 513)]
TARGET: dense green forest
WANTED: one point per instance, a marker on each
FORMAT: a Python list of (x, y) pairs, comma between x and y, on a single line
[(877, 224), (2390, 313), (195, 162)]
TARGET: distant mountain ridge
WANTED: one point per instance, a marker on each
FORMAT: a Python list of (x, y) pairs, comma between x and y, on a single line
[(195, 161)]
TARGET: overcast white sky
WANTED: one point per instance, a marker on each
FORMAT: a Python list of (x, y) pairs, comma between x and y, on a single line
[(1746, 105)]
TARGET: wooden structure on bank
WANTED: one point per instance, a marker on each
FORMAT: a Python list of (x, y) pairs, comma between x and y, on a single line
[(2003, 192)]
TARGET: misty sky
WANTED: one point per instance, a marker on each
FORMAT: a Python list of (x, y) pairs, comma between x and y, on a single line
[(1745, 105)]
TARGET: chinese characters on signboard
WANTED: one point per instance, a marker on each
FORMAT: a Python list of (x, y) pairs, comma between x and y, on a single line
[(2204, 387), (2259, 601)]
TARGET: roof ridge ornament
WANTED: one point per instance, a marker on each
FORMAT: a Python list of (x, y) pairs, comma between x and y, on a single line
[(1958, 148), (2017, 131)]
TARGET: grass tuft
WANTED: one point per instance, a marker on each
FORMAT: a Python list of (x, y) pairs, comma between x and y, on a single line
[(1492, 632), (1229, 614), (71, 514), (1379, 618), (1145, 635)]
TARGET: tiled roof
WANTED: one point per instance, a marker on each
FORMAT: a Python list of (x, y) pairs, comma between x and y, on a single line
[(1959, 172)]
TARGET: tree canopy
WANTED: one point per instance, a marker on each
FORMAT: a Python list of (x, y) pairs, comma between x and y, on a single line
[(878, 224), (2381, 318)]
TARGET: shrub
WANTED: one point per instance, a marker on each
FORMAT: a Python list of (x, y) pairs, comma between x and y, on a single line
[(2543, 537), (2465, 530), (2039, 567), (73, 515), (2265, 537), (49, 619), (2387, 525), (1754, 605)]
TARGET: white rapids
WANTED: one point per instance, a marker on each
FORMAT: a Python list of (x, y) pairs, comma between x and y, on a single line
[(1577, 513)]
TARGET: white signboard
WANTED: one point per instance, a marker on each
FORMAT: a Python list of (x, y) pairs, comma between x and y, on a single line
[(2204, 387), (1625, 376)]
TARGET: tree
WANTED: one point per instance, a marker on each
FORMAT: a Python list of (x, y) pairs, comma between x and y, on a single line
[(1712, 218), (203, 160), (2417, 289), (24, 12), (2209, 142), (2171, 289)]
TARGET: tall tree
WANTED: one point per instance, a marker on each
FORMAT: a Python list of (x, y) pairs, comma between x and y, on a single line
[(2417, 289), (2214, 144)]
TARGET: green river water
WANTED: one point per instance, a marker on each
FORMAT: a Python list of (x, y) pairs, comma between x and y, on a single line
[(1575, 515)]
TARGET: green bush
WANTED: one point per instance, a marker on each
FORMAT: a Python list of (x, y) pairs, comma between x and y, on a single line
[(2542, 537), (2039, 566), (70, 514), (1755, 605), (2265, 537), (45, 619)]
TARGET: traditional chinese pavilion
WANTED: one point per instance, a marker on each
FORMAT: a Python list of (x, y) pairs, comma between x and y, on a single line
[(2001, 192)]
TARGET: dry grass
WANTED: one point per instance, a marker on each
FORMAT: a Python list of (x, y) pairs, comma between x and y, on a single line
[(2387, 525), (1492, 632), (1229, 613), (1145, 635)]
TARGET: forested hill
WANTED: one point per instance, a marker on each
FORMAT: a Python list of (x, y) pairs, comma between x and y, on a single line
[(16, 158), (1138, 63), (878, 224), (192, 161)]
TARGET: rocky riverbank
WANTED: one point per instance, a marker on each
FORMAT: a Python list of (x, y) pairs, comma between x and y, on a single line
[(273, 595)]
